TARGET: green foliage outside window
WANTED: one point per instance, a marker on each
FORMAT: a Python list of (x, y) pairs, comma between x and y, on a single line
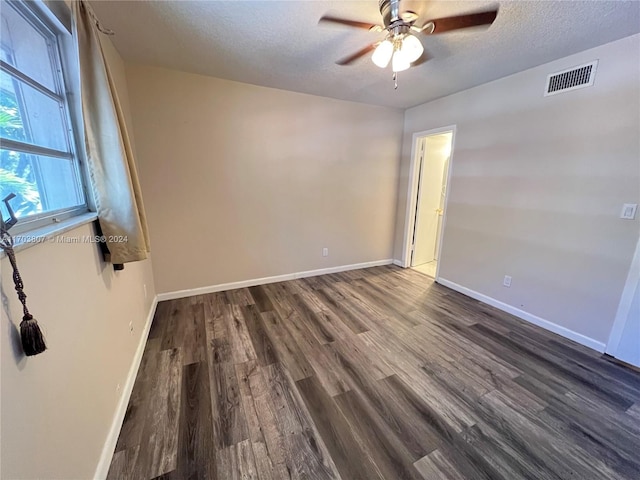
[(16, 170)]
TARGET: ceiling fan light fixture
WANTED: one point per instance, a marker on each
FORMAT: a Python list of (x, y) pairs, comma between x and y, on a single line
[(400, 61), (382, 54), (411, 48)]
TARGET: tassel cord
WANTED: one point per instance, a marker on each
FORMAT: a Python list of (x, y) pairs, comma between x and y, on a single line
[(18, 283), (6, 243)]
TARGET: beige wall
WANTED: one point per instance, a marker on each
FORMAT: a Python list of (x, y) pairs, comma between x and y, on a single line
[(57, 407), (537, 187), (243, 182)]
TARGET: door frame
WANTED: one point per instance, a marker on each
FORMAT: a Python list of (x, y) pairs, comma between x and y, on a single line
[(412, 194), (622, 313)]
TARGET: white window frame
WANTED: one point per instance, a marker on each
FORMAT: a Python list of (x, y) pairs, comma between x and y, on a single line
[(64, 61)]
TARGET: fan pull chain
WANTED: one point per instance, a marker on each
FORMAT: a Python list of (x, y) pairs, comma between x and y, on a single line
[(395, 80)]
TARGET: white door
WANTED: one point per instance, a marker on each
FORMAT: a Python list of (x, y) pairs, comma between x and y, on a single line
[(436, 150), (624, 340), (443, 198), (629, 347)]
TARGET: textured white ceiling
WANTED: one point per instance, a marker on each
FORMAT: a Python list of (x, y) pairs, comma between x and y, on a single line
[(280, 44)]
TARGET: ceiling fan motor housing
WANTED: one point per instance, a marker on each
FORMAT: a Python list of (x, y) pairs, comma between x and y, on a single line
[(390, 10)]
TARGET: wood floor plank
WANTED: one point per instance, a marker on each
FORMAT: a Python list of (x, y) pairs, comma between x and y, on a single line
[(607, 382), (314, 321), (436, 466), (378, 373), (377, 439), (123, 464), (242, 349), (158, 452), (376, 316), (345, 448), (194, 341), (229, 421), (306, 449), (262, 344), (350, 317), (173, 333), (565, 458), (407, 367), (160, 318), (137, 408), (266, 439), (196, 459), (322, 363), (322, 318), (236, 462), (387, 303), (539, 360), (634, 411), (261, 299), (357, 364), (406, 413), (215, 315), (239, 296), (286, 346), (511, 457)]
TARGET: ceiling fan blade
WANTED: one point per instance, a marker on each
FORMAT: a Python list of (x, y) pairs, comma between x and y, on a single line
[(351, 58), (349, 23), (448, 24)]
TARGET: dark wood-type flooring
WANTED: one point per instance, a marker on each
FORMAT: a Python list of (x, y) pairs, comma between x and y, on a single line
[(371, 374)]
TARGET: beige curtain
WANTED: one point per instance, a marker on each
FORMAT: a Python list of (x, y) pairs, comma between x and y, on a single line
[(111, 167)]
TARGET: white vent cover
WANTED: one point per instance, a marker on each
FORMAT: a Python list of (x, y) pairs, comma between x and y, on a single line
[(571, 79)]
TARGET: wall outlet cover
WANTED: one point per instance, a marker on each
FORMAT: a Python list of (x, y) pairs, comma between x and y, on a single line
[(629, 211)]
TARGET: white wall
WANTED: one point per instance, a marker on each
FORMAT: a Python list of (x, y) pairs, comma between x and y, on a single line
[(57, 408), (243, 182), (537, 186)]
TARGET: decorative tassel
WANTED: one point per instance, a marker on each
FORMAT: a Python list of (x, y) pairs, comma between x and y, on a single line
[(31, 336)]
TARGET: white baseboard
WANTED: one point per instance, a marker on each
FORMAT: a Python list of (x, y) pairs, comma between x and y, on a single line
[(399, 263), (118, 418), (529, 317), (262, 281)]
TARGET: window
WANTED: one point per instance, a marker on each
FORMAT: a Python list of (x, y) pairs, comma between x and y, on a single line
[(38, 158)]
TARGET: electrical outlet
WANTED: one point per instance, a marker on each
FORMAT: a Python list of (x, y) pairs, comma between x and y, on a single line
[(117, 387), (131, 327), (325, 252), (629, 211), (144, 287), (507, 281)]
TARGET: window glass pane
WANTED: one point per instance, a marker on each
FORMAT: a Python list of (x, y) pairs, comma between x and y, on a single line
[(30, 116), (25, 48), (41, 184)]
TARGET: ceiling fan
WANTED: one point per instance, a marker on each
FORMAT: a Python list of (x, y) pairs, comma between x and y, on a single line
[(401, 46)]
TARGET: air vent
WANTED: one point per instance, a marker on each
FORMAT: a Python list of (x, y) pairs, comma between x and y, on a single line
[(571, 79)]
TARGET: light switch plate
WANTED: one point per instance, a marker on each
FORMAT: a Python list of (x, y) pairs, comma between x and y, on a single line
[(629, 211)]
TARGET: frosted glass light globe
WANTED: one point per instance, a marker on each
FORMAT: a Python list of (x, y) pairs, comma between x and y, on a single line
[(411, 48), (400, 61), (382, 54)]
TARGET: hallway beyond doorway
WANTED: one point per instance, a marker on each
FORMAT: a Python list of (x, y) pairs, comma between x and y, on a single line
[(428, 268)]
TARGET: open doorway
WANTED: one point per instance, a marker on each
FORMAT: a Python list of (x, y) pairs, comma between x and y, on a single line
[(432, 159)]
